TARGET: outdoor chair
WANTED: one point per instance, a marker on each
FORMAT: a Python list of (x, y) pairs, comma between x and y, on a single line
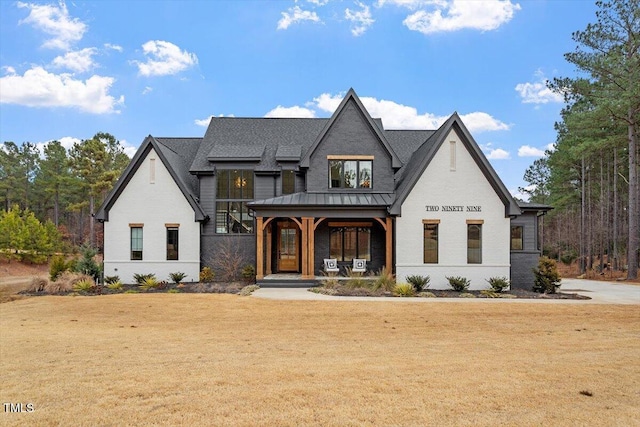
[(331, 265), (359, 265)]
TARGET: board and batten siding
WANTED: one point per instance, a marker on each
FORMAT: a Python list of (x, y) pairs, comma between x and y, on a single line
[(458, 184), (153, 201)]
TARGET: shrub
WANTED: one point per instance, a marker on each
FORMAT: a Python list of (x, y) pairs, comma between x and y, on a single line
[(87, 264), (206, 275), (424, 294), (85, 286), (356, 279), (466, 295), (177, 277), (404, 290), (498, 284), (248, 290), (111, 279), (38, 284), (140, 278), (66, 281), (420, 283), (59, 265), (331, 281), (115, 285), (385, 280), (150, 283), (458, 283), (249, 273), (132, 291), (568, 256), (490, 293), (173, 291), (547, 278)]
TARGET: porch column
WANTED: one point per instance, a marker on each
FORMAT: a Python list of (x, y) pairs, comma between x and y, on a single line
[(305, 247), (389, 245), (259, 248), (311, 230)]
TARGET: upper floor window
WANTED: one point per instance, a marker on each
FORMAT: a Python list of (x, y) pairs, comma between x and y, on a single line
[(347, 173), (288, 182), (234, 189)]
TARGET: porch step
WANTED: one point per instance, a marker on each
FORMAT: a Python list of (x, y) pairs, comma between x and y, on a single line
[(286, 283)]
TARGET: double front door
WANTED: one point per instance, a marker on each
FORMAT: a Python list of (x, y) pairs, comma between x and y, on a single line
[(288, 246)]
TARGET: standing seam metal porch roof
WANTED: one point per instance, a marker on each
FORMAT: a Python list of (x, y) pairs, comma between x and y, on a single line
[(342, 199)]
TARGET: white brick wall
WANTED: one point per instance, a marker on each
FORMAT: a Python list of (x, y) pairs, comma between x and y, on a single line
[(154, 205), (465, 186)]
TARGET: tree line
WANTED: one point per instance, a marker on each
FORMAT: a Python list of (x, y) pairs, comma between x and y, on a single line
[(62, 186), (591, 176)]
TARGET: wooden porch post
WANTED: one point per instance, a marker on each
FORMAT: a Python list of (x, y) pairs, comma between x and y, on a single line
[(269, 244), (305, 248), (389, 245), (259, 248), (311, 231)]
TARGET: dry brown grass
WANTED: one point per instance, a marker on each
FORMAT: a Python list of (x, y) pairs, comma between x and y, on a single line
[(199, 359)]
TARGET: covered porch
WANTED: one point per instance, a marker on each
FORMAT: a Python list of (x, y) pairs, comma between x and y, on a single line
[(294, 233)]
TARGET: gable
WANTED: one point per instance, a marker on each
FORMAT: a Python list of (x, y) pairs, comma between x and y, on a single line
[(453, 128), (166, 159)]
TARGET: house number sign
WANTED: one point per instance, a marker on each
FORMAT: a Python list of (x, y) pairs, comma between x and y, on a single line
[(453, 208)]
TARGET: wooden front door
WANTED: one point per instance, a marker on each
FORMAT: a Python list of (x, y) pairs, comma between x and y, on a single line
[(288, 246)]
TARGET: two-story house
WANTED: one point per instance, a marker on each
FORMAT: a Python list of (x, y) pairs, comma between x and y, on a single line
[(288, 193)]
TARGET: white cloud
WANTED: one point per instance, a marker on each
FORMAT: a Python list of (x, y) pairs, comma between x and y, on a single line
[(205, 122), (164, 58), (498, 154), (39, 88), (295, 15), (411, 4), (529, 151), (482, 122), (68, 141), (318, 2), (78, 61), (398, 116), (127, 148), (294, 111), (537, 92), (56, 22), (147, 89), (456, 15), (361, 19), (8, 69), (113, 47)]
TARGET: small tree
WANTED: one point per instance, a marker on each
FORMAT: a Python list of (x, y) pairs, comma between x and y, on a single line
[(87, 264), (547, 278)]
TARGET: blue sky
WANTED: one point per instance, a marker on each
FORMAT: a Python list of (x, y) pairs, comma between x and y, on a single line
[(134, 68)]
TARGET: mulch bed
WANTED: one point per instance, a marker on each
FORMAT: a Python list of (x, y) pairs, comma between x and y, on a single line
[(516, 293)]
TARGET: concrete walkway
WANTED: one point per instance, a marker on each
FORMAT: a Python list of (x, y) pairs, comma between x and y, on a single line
[(599, 292)]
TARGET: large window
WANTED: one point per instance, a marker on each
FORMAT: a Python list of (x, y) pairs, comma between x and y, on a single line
[(288, 182), (430, 241), (348, 243), (350, 174), (136, 242), (234, 190), (172, 242), (516, 238), (474, 242)]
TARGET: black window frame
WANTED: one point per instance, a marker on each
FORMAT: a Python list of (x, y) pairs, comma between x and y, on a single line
[(431, 226), (474, 255), (234, 189), (358, 178), (511, 245), (359, 254), (136, 255), (173, 254)]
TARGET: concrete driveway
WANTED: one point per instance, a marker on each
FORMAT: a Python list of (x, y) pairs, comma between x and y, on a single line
[(599, 292)]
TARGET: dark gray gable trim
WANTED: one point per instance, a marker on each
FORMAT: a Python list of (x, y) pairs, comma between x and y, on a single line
[(427, 151), (133, 166), (351, 95)]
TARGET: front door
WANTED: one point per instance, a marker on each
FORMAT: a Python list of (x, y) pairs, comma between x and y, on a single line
[(287, 246)]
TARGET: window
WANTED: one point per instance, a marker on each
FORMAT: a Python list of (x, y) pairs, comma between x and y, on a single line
[(516, 238), (431, 241), (474, 242), (172, 242), (348, 243), (136, 242), (350, 173), (288, 182), (234, 189)]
